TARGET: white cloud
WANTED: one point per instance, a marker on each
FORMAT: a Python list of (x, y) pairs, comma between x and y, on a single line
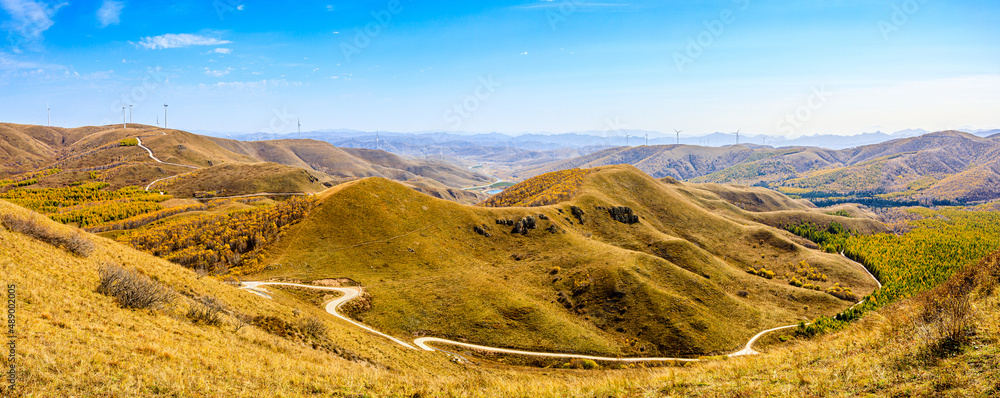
[(110, 13), (28, 18), (223, 51), (240, 7), (218, 73), (257, 85), (172, 40)]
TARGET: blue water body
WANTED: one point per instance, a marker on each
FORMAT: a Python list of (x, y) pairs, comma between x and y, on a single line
[(494, 191)]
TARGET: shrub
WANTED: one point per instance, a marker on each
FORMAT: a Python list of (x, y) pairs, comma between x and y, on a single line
[(132, 289), (843, 293), (763, 272), (795, 282), (73, 242), (208, 310), (242, 320), (588, 364), (314, 327)]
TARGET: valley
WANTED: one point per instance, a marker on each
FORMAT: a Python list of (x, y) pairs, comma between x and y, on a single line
[(605, 267)]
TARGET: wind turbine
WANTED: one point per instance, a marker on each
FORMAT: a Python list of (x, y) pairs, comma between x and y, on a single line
[(376, 140), (124, 120), (300, 127), (130, 113), (678, 135), (164, 115), (48, 113), (738, 136), (647, 139), (626, 139)]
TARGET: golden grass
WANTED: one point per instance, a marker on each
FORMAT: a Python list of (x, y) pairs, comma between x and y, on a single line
[(76, 342), (429, 272)]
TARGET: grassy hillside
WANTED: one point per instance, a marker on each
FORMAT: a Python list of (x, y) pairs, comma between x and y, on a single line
[(351, 163), (946, 165), (674, 283), (57, 157), (231, 179), (73, 341)]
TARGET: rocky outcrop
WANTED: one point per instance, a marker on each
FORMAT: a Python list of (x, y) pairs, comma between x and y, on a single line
[(623, 215), (525, 224), (481, 231), (577, 212)]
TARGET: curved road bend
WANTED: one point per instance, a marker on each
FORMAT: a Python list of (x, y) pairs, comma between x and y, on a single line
[(139, 140), (349, 294), (352, 292), (150, 152)]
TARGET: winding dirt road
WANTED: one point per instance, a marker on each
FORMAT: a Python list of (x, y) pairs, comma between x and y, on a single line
[(422, 342), (151, 156)]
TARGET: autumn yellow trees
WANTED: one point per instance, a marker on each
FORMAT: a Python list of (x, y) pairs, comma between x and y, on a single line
[(87, 205), (221, 243), (941, 242), (542, 190)]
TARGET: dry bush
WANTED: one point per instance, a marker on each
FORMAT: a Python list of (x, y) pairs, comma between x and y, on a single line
[(314, 327), (207, 310), (947, 319), (947, 322), (242, 320), (73, 242), (132, 289)]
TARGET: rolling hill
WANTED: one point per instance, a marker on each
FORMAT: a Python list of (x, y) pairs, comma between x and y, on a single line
[(947, 165), (58, 157), (73, 340), (667, 275)]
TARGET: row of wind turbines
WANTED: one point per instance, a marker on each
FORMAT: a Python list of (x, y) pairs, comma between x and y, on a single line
[(126, 117), (678, 135)]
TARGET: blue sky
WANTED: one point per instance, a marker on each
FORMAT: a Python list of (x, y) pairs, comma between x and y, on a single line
[(781, 67)]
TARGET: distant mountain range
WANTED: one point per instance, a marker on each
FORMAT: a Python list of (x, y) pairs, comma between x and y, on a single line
[(426, 143), (930, 168)]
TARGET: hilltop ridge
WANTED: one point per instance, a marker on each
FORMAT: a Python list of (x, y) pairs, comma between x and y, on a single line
[(566, 276)]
